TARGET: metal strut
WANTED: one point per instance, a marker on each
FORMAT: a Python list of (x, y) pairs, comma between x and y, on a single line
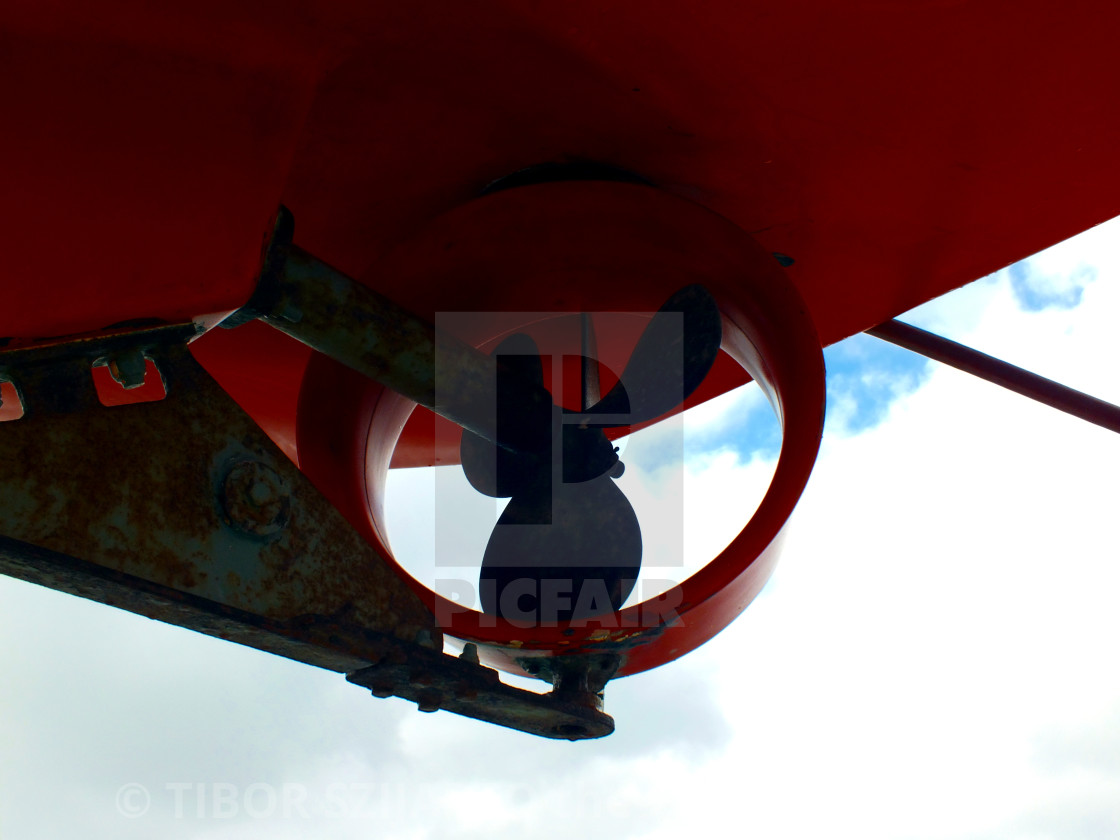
[(183, 510), (319, 306), (1000, 373)]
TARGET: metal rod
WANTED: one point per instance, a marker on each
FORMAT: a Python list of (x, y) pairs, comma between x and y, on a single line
[(1000, 373), (589, 362)]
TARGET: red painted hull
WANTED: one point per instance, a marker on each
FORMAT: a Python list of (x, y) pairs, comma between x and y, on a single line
[(895, 151)]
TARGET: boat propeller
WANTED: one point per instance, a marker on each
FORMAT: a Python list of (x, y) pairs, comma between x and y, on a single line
[(568, 545)]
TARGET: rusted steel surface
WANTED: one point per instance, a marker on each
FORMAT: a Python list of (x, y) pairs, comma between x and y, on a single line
[(387, 666), (182, 510), (436, 681), (302, 638), (187, 493), (321, 307)]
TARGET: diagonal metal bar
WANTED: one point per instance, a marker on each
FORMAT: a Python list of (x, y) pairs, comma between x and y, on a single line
[(1000, 373), (190, 497), (328, 311), (183, 510)]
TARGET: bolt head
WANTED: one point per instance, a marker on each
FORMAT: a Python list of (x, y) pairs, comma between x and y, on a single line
[(129, 369), (255, 499)]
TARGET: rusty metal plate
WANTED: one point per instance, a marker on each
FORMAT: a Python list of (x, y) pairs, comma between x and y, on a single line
[(463, 686), (188, 494), (183, 510)]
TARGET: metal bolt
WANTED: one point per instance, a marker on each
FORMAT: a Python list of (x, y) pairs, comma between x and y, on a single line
[(429, 700), (255, 499), (128, 368)]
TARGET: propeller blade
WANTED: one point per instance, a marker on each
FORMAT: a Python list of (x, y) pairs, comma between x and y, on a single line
[(562, 553), (670, 361)]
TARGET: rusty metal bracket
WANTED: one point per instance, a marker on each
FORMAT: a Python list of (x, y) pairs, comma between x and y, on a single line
[(188, 494), (436, 681), (183, 510), (316, 304)]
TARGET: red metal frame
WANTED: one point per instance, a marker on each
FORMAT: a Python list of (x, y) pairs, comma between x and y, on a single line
[(894, 151)]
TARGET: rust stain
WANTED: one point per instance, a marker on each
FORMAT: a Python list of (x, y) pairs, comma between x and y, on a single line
[(138, 489)]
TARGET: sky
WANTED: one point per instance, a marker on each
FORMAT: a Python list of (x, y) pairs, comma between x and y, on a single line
[(935, 656)]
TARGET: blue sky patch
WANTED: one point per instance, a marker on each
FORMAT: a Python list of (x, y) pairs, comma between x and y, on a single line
[(750, 430), (864, 376), (1036, 290)]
